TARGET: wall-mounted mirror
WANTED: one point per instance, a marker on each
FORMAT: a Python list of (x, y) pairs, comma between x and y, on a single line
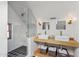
[(45, 26), (61, 25)]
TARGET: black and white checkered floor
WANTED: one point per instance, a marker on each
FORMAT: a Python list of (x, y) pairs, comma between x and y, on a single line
[(19, 52)]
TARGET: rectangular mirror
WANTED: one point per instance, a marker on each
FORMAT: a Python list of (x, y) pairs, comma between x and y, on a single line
[(45, 26), (61, 25)]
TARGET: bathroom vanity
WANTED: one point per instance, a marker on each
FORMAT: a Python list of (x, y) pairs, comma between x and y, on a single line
[(51, 42)]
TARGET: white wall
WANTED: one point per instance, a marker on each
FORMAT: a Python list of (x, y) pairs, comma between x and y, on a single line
[(18, 30), (60, 10), (20, 7), (72, 30), (3, 27)]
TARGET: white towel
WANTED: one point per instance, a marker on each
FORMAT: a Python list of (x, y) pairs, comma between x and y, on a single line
[(43, 47), (62, 51), (52, 48)]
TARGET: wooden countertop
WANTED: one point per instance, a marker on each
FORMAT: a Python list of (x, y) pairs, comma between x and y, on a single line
[(57, 42)]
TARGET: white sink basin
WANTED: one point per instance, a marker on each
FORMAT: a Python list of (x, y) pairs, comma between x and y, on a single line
[(43, 36), (62, 38)]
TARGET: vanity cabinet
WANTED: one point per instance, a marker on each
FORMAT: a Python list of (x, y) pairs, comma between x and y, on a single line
[(57, 43)]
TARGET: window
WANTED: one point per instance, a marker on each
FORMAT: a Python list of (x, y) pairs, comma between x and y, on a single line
[(9, 30)]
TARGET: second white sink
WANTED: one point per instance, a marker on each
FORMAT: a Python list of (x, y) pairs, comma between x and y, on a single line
[(43, 36), (62, 38)]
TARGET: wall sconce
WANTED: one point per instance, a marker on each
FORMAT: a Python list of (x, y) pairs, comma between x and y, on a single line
[(70, 22), (70, 19), (39, 23)]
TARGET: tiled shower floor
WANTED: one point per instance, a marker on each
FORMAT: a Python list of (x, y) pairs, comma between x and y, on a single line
[(19, 52)]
